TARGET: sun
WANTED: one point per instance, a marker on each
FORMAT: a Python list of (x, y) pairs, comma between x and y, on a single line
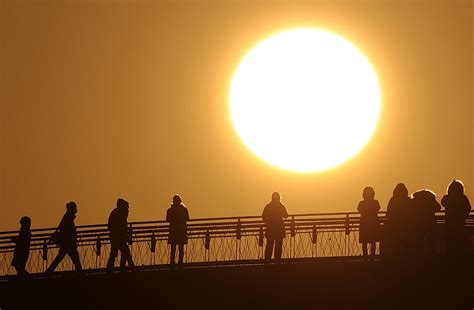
[(305, 100)]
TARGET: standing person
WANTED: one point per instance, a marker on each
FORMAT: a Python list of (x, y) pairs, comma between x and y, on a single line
[(119, 235), (369, 230), (425, 206), (273, 215), (457, 208), (398, 221), (67, 239), (177, 215), (22, 246)]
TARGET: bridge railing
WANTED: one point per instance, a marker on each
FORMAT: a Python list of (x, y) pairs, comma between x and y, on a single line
[(211, 240)]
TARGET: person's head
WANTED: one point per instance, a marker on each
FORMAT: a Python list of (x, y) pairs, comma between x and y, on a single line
[(368, 193), (122, 203), (400, 191), (276, 197), (71, 207), (25, 222), (456, 188), (177, 199), (424, 195)]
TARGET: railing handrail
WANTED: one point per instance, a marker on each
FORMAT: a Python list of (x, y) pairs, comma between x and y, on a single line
[(210, 221)]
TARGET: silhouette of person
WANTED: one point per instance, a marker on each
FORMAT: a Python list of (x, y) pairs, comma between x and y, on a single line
[(369, 230), (273, 215), (177, 215), (398, 221), (425, 206), (67, 239), (457, 207), (22, 246), (119, 235)]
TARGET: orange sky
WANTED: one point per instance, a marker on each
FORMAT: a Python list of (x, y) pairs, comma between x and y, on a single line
[(101, 100)]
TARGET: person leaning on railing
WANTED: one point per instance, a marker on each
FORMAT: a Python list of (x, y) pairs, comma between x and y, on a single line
[(457, 208)]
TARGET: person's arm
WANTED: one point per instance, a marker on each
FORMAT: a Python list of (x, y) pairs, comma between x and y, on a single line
[(444, 201), (187, 215), (265, 214), (62, 225), (168, 216), (360, 207), (285, 213), (389, 208), (467, 206), (377, 205)]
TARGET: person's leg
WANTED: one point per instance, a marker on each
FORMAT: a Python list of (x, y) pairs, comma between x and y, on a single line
[(20, 270), (180, 254), (172, 253), (74, 255), (373, 248), (278, 248), (62, 252), (113, 255), (364, 249), (125, 256), (269, 249)]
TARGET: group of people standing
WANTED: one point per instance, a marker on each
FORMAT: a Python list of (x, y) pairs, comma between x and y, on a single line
[(65, 237), (410, 228)]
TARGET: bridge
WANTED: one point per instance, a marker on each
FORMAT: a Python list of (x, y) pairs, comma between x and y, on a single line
[(212, 242), (224, 268)]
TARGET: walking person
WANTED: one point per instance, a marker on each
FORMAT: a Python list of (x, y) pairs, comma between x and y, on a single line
[(457, 207), (119, 235), (273, 215), (369, 231), (66, 237), (177, 215), (22, 246)]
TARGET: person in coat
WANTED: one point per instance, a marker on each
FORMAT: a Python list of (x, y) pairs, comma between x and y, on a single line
[(457, 207), (22, 246), (119, 235), (424, 207), (369, 230), (177, 216), (67, 239), (273, 215), (398, 222)]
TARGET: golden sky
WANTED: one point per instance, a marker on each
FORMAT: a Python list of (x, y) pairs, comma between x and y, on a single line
[(108, 99)]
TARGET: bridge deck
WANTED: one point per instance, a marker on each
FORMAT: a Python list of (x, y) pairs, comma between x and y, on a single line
[(312, 284)]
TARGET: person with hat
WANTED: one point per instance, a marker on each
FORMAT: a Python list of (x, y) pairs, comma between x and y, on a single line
[(67, 239), (119, 235)]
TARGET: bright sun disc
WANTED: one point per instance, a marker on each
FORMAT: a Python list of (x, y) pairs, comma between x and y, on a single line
[(305, 100)]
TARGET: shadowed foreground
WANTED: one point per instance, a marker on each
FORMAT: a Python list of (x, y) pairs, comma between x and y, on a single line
[(310, 285)]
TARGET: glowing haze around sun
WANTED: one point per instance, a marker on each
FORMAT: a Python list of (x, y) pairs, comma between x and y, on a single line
[(305, 100)]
